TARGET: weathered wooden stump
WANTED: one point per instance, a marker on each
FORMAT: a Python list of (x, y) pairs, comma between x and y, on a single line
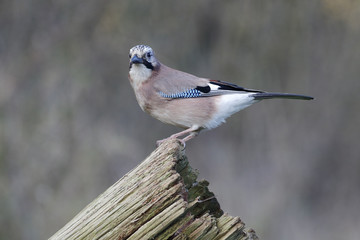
[(159, 199)]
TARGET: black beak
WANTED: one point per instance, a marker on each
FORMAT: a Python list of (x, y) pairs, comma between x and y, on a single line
[(135, 59)]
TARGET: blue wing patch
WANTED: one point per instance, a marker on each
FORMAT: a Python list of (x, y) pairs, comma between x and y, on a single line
[(190, 93)]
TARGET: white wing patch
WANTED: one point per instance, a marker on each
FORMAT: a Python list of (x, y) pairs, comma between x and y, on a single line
[(213, 87)]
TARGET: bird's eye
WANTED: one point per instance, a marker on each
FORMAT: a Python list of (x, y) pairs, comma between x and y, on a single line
[(148, 54), (129, 55)]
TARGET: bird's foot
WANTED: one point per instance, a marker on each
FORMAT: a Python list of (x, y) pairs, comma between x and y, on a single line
[(159, 142), (193, 132)]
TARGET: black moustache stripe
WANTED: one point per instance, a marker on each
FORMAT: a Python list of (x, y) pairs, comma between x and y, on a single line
[(148, 65)]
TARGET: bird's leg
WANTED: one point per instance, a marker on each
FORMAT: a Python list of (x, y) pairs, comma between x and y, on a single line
[(194, 130), (189, 130), (190, 136)]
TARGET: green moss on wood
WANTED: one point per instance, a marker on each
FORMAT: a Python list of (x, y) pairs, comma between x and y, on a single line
[(159, 199)]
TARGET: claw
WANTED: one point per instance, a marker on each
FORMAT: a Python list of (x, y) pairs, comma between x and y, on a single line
[(183, 143)]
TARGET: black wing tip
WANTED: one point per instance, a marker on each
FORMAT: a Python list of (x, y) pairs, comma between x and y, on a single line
[(232, 87)]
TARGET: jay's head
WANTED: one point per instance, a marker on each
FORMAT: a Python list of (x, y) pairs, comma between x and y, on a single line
[(142, 55)]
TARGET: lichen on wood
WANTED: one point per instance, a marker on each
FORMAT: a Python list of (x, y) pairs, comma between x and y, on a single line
[(159, 199)]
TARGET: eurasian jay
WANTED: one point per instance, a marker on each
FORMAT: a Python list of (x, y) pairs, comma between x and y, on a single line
[(187, 101)]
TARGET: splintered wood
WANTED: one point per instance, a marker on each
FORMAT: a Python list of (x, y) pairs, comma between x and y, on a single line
[(159, 199)]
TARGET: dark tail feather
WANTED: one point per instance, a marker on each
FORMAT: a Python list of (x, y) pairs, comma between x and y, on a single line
[(265, 95)]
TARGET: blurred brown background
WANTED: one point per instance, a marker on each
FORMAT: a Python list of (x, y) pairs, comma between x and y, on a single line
[(70, 125)]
